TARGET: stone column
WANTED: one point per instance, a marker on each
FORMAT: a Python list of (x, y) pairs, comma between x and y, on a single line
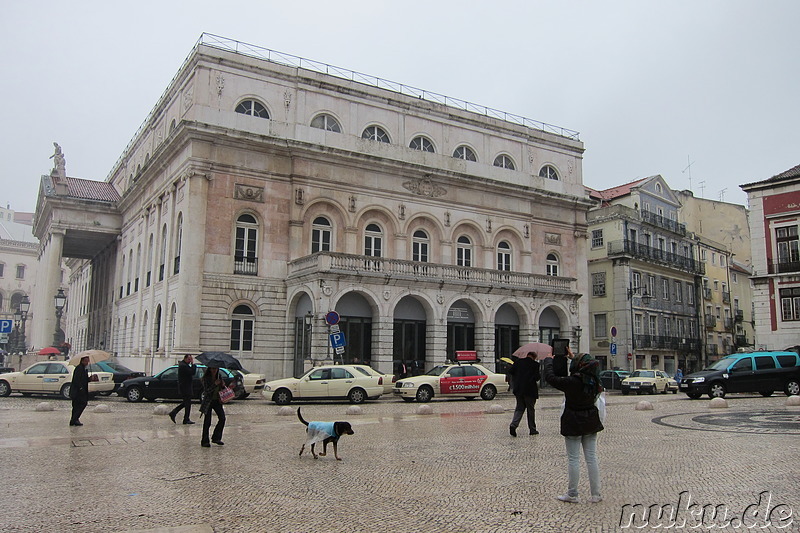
[(383, 344), (484, 344), (193, 247), (45, 289)]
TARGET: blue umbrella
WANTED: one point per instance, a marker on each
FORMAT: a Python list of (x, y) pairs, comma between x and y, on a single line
[(219, 360)]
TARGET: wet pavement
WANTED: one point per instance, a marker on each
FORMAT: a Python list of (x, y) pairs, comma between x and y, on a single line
[(456, 470)]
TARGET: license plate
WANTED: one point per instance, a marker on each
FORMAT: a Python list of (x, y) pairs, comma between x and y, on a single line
[(684, 386), (634, 386)]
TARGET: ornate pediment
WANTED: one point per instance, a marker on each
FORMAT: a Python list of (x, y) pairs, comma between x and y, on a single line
[(247, 192)]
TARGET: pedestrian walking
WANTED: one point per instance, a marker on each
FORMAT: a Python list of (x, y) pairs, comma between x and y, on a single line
[(679, 376), (580, 421), (524, 376), (79, 391), (212, 384), (185, 378)]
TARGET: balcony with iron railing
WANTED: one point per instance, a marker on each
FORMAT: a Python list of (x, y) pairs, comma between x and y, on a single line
[(706, 293), (655, 255), (710, 321), (683, 344), (740, 341), (783, 267), (728, 322), (738, 315), (726, 297), (664, 223), (382, 269), (712, 349)]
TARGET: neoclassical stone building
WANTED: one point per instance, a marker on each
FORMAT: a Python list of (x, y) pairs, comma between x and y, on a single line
[(264, 191)]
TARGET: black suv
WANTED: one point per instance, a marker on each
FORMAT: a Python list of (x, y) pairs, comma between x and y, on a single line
[(762, 372)]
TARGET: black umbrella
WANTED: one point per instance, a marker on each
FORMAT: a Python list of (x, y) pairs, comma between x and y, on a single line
[(219, 360)]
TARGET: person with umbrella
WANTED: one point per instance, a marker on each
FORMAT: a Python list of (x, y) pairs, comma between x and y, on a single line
[(212, 384), (524, 378), (185, 378), (79, 391)]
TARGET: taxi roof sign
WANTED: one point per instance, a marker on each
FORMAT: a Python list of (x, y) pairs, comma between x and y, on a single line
[(467, 356)]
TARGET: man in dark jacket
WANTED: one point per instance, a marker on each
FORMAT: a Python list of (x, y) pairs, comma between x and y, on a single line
[(185, 378), (524, 378), (79, 391)]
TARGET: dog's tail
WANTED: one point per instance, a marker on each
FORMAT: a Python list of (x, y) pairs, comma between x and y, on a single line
[(301, 417)]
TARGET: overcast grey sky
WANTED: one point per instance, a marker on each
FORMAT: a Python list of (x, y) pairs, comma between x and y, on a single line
[(647, 84)]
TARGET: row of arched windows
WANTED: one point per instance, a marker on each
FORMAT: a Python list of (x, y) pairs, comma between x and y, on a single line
[(327, 122), (322, 241)]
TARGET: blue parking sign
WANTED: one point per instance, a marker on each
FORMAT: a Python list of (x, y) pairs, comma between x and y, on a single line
[(613, 348), (337, 340), (6, 325)]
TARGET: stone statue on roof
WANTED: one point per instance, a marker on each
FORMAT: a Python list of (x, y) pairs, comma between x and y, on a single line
[(59, 172)]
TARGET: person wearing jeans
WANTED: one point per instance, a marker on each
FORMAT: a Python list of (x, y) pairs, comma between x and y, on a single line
[(580, 421)]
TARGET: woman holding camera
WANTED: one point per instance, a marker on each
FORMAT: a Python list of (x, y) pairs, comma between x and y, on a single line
[(580, 421)]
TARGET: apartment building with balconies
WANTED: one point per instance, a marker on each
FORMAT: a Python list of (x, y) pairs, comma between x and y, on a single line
[(644, 270)]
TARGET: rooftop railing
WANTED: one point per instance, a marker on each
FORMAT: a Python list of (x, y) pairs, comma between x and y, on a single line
[(231, 45), (655, 255)]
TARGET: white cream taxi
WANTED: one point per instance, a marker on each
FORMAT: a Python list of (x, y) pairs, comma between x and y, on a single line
[(51, 377)]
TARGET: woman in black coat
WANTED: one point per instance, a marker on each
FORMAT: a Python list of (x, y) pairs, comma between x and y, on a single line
[(212, 384), (580, 421), (79, 391)]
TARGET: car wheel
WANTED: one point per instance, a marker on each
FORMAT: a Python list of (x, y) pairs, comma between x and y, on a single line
[(653, 389), (5, 388), (282, 397), (716, 390), (792, 388), (65, 391), (693, 395), (424, 394), (357, 396), (408, 400), (134, 394), (488, 392), (766, 393), (666, 389), (104, 393)]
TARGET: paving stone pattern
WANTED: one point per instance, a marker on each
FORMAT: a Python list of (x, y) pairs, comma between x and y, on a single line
[(457, 470)]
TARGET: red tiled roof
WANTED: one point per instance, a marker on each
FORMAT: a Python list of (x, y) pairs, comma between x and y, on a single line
[(620, 190), (92, 190), (793, 172)]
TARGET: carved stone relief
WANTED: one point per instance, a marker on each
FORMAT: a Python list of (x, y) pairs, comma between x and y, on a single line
[(425, 187), (247, 192), (299, 196), (553, 239)]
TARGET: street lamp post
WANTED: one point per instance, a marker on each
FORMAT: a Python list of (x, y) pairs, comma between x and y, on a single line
[(644, 298), (24, 307), (14, 346), (60, 302)]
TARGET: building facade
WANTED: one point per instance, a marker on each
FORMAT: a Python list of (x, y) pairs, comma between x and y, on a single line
[(644, 271), (260, 195), (775, 212)]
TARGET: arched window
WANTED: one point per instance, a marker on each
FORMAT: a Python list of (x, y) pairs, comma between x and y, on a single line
[(373, 240), (149, 260), (503, 161), (552, 264), (178, 241), (242, 322), (253, 108), (421, 143), (245, 248), (163, 256), (321, 235), (420, 246), (464, 251), (548, 172), (375, 133), (503, 256), (465, 152), (326, 122)]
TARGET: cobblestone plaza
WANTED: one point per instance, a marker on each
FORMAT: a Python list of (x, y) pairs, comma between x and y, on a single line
[(455, 470)]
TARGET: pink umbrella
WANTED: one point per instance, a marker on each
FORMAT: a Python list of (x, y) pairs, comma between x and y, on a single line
[(50, 350), (539, 348)]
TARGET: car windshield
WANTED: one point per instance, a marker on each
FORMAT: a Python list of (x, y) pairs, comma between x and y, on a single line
[(722, 364), (116, 367), (643, 374), (436, 371)]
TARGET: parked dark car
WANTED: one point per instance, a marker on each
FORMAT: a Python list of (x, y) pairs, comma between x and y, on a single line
[(165, 385), (612, 379), (121, 372), (6, 369), (762, 372)]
